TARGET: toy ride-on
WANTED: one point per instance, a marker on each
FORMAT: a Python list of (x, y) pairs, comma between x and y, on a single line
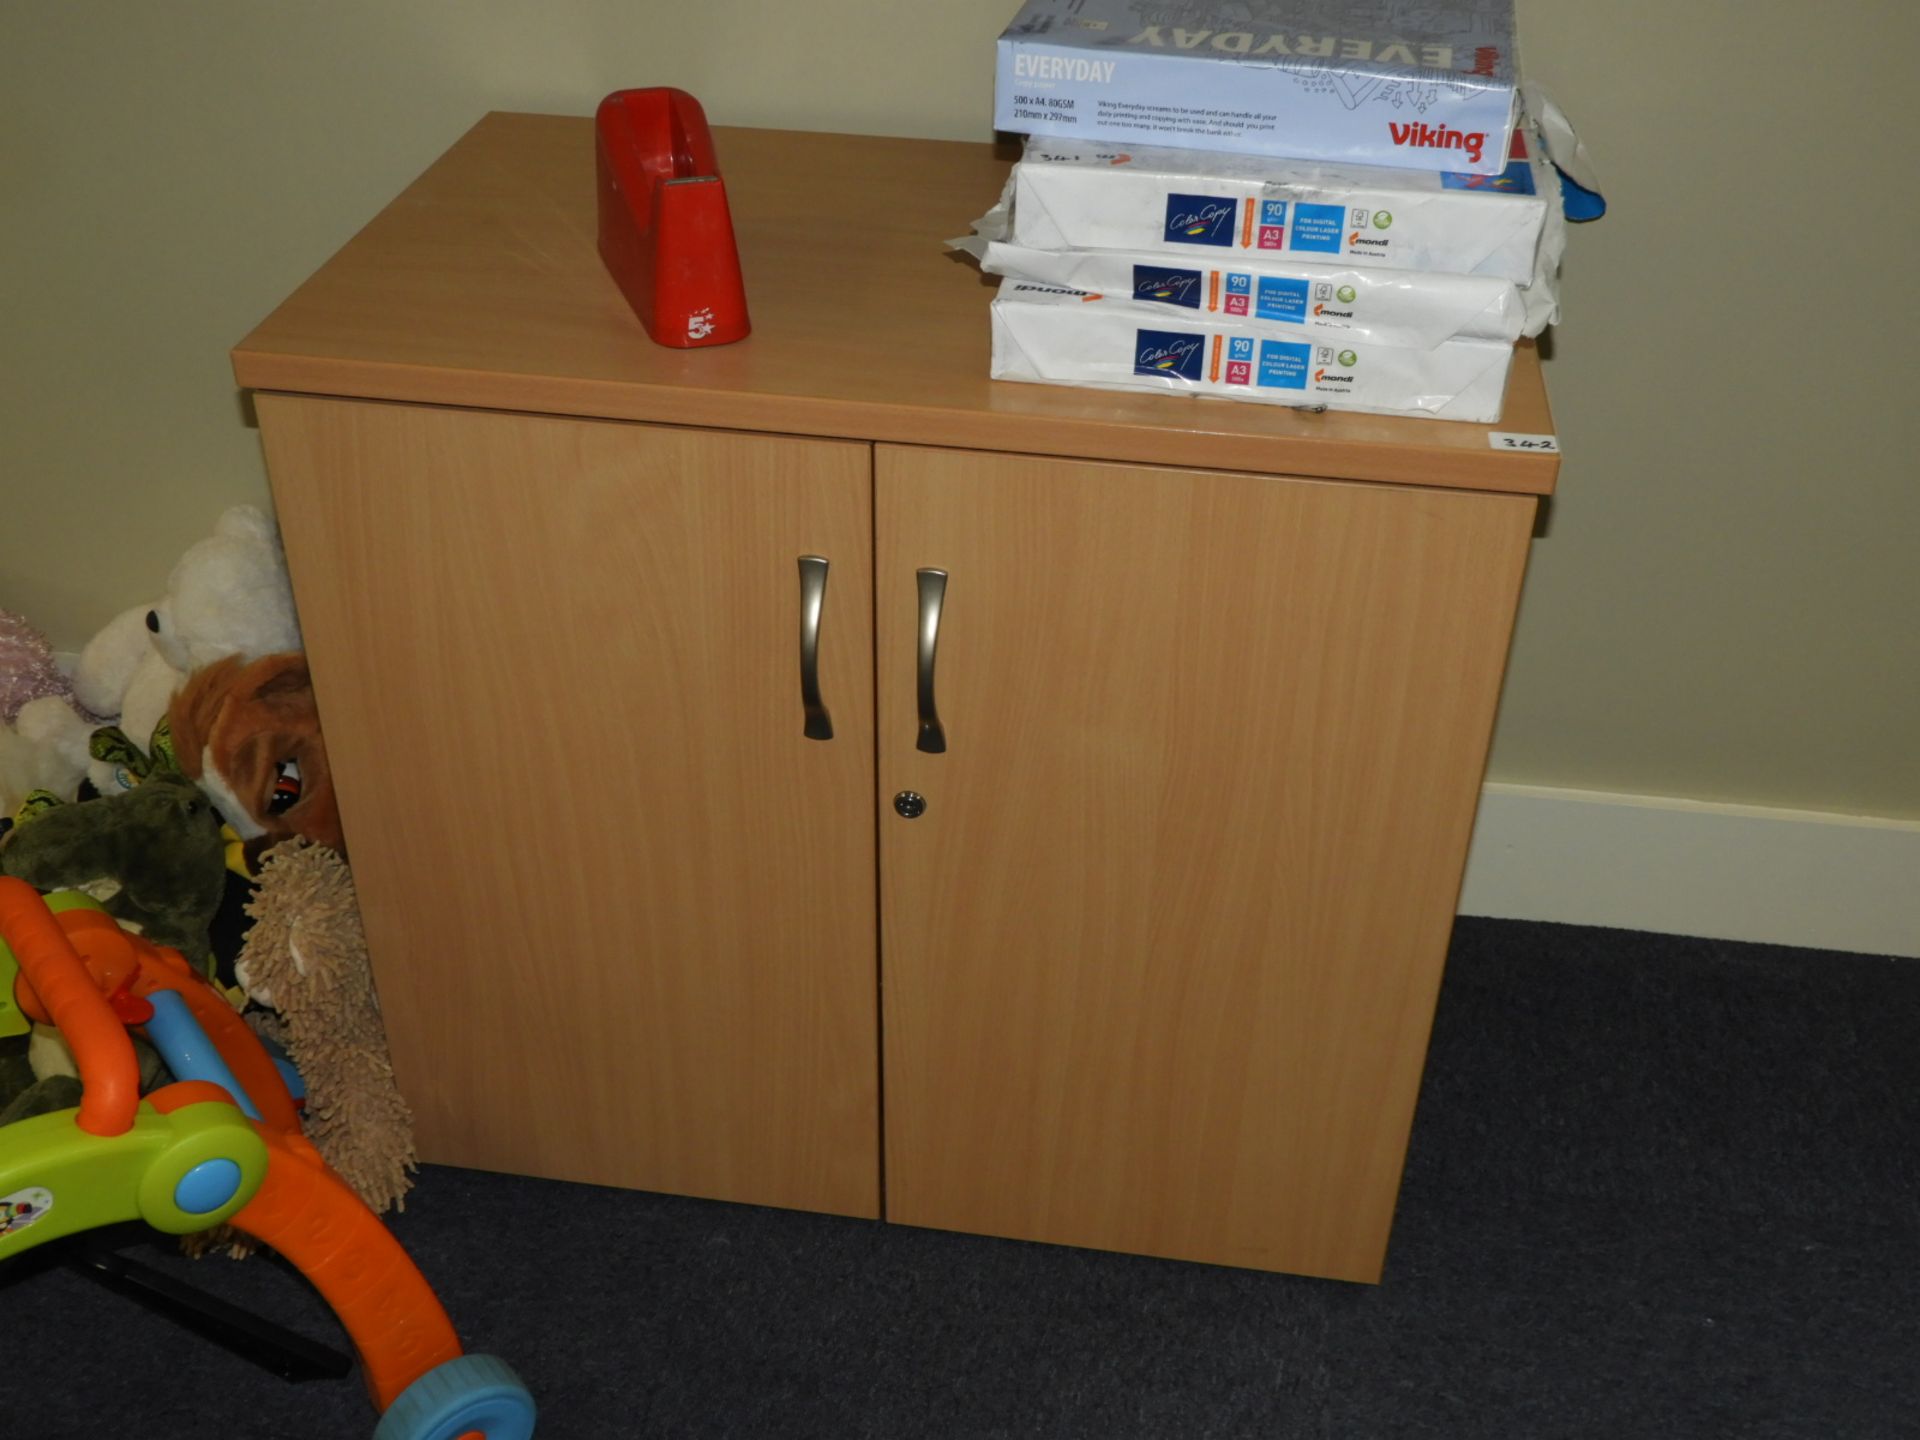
[(220, 1144)]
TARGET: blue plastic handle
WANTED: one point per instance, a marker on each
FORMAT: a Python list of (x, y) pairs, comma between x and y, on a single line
[(189, 1054)]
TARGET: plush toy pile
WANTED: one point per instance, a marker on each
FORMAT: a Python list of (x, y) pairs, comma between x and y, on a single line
[(177, 773), (228, 595)]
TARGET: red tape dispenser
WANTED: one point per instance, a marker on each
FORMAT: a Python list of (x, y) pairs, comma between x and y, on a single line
[(666, 234)]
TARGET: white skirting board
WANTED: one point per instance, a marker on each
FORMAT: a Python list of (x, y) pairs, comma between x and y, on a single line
[(1683, 867)]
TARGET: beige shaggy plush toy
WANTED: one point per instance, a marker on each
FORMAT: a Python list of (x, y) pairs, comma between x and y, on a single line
[(306, 958)]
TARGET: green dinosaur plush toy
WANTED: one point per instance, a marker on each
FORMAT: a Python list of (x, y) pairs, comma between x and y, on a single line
[(153, 856)]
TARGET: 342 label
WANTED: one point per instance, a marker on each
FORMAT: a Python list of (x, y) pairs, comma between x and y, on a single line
[(1523, 444)]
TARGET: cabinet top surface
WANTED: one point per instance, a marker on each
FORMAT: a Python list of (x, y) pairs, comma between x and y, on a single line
[(482, 285)]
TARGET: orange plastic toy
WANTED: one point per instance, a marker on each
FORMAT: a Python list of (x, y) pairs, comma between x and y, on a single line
[(224, 1145)]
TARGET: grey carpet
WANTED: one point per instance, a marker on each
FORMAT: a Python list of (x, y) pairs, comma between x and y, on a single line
[(1658, 1187)]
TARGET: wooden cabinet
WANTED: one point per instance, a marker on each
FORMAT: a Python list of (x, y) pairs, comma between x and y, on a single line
[(1154, 966)]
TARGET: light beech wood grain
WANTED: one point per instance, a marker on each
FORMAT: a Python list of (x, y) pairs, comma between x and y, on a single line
[(621, 910), (481, 285), (1161, 955)]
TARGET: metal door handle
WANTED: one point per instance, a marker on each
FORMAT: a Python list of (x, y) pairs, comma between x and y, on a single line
[(933, 593), (813, 596)]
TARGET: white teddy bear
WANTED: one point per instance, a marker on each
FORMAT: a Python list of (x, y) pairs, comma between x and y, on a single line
[(229, 595)]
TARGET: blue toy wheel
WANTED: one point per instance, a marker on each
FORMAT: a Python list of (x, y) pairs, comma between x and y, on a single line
[(465, 1394)]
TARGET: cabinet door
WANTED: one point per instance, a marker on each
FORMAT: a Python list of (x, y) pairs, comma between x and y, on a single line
[(1161, 953), (620, 906)]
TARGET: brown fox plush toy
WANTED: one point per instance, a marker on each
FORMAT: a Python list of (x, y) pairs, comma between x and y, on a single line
[(249, 735)]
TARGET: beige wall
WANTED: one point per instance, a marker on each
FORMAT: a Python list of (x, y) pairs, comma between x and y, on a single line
[(1726, 605)]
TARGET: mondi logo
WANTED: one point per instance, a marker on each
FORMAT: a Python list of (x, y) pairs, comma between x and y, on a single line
[(1347, 358), (1439, 137)]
